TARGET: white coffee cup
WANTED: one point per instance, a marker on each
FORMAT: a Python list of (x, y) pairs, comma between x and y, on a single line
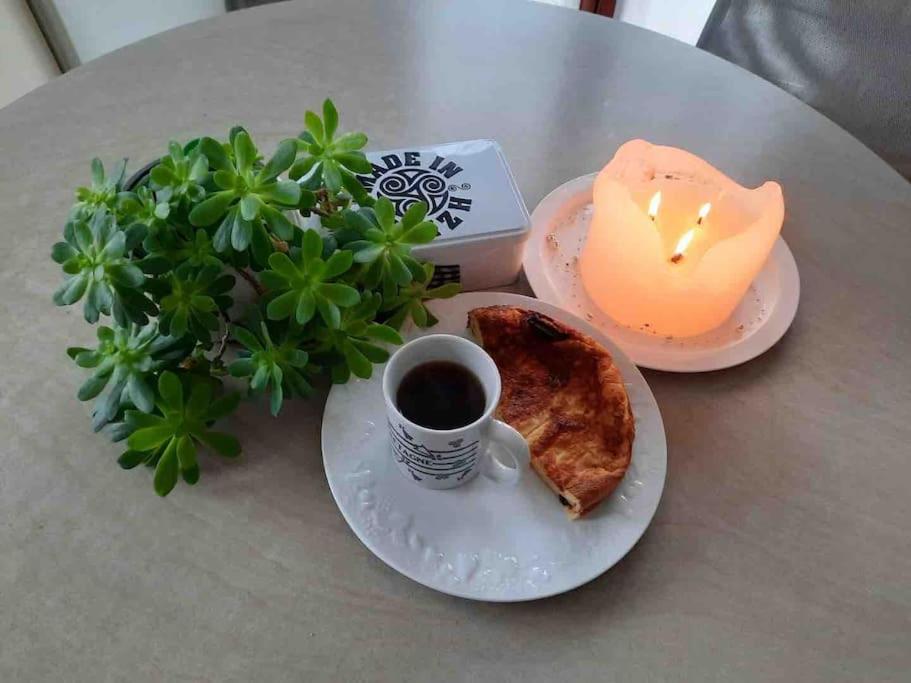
[(446, 458)]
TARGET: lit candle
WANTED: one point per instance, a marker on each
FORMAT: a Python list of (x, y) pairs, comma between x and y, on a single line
[(674, 244)]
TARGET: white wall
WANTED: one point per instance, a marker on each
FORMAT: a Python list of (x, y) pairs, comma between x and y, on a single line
[(680, 19), (25, 61), (96, 27)]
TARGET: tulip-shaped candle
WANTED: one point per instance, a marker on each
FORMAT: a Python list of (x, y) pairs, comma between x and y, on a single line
[(674, 244)]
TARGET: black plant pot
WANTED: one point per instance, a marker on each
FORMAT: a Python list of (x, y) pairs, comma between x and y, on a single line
[(140, 176)]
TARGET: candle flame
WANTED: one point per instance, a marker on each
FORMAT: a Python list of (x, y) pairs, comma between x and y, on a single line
[(682, 244), (653, 205), (703, 212)]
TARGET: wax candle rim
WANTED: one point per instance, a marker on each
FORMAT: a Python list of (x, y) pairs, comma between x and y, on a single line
[(768, 195)]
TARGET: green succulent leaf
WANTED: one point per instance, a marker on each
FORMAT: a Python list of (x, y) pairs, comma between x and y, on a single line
[(357, 362), (166, 470), (280, 162), (302, 167), (282, 192), (339, 294), (216, 153), (332, 175), (222, 407), (385, 213), (383, 333), (278, 223), (245, 152), (414, 215), (422, 233), (130, 459), (250, 206), (212, 208), (351, 142)]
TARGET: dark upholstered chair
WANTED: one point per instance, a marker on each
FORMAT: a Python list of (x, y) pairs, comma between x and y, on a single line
[(848, 59)]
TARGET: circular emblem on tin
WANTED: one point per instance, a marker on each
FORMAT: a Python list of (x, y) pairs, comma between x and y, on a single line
[(405, 186)]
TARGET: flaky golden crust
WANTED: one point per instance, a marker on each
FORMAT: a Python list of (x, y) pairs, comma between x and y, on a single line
[(563, 393)]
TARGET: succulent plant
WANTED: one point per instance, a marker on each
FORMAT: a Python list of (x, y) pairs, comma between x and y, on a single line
[(146, 207), (321, 300), (384, 244), (306, 284), (329, 161), (411, 300), (354, 345), (170, 437), (103, 191), (123, 362), (250, 194), (180, 175), (99, 271), (193, 299), (278, 368)]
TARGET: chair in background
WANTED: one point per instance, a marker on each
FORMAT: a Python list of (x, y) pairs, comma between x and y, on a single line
[(846, 59)]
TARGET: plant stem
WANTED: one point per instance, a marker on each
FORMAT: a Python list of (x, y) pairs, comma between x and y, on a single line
[(280, 245), (223, 342), (251, 279), (188, 363), (325, 200)]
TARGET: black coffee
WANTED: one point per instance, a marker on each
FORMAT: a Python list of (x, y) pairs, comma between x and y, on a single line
[(441, 395)]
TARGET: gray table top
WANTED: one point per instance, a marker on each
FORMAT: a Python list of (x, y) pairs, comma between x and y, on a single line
[(780, 551)]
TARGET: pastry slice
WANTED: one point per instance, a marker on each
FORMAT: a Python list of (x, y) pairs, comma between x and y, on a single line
[(563, 393)]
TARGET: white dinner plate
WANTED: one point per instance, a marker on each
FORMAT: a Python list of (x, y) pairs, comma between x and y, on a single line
[(486, 540), (559, 225)]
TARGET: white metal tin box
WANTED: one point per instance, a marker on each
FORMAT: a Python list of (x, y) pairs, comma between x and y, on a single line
[(472, 195)]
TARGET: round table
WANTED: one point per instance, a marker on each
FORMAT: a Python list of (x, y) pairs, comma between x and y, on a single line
[(780, 550)]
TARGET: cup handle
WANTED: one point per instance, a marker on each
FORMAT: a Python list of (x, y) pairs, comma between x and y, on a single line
[(512, 442)]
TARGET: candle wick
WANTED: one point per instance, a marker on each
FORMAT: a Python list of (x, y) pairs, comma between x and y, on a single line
[(676, 258)]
